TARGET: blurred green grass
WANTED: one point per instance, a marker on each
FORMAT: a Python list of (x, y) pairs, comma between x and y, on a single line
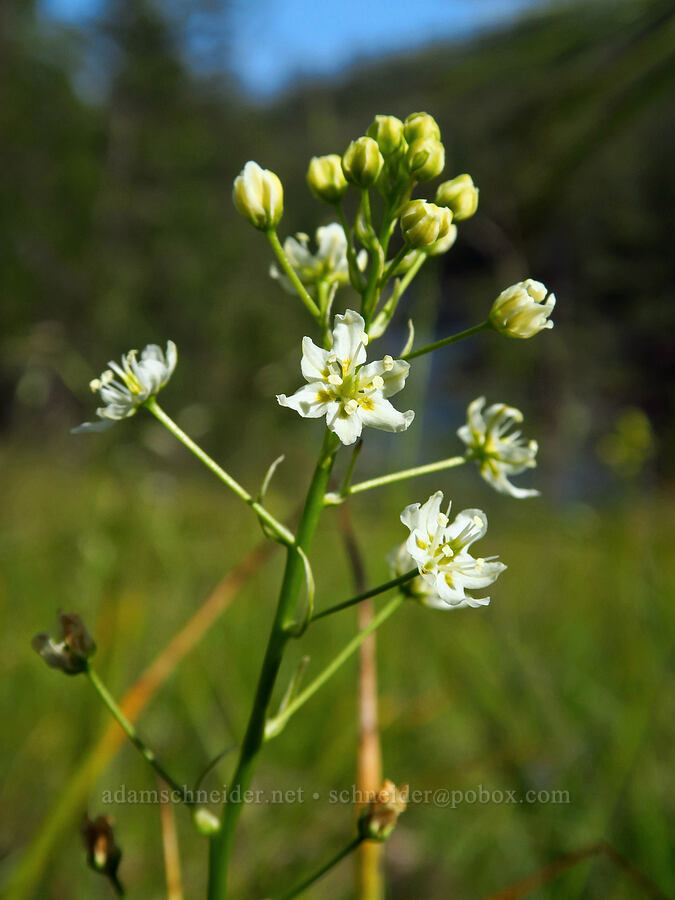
[(563, 684)]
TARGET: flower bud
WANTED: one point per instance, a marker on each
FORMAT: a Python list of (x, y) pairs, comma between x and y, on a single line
[(71, 653), (425, 159), (362, 162), (205, 822), (259, 196), (424, 223), (460, 195), (388, 132), (326, 179), (442, 245), (522, 310), (421, 125), (103, 854), (378, 819)]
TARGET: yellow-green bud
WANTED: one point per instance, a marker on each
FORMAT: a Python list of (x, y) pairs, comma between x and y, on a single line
[(442, 245), (425, 159), (523, 310), (362, 162), (326, 179), (259, 196), (460, 195), (424, 223), (421, 125), (205, 822), (388, 132)]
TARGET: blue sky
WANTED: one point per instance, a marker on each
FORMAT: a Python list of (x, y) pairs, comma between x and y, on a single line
[(274, 41)]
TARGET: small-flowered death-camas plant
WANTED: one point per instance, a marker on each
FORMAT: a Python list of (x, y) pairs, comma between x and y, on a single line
[(377, 242)]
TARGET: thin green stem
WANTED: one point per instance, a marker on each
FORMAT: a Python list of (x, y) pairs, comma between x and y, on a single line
[(373, 592), (285, 536), (341, 658), (483, 326), (133, 736), (391, 268), (294, 575), (308, 882), (292, 275), (335, 499)]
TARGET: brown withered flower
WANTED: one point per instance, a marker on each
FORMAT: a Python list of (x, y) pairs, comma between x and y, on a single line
[(378, 819), (103, 854)]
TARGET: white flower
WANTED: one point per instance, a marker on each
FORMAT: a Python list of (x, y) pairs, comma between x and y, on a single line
[(328, 264), (498, 453), (522, 310), (123, 388), (344, 390), (440, 550)]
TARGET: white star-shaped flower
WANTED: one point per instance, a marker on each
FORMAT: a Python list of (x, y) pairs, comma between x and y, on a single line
[(440, 550), (328, 264), (498, 453), (344, 390), (123, 388)]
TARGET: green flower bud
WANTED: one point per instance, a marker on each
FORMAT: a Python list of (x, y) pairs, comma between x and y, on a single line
[(388, 132), (421, 125), (442, 245), (326, 179), (205, 822), (259, 196), (425, 159), (424, 223), (362, 162), (460, 195)]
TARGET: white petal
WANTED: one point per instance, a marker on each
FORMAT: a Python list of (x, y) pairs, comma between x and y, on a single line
[(308, 401), (469, 525), (313, 365), (347, 428), (384, 416), (348, 336), (393, 373)]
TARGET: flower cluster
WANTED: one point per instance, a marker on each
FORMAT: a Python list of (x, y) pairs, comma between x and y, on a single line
[(342, 388)]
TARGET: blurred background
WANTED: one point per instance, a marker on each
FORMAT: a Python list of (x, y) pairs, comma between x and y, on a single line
[(122, 126)]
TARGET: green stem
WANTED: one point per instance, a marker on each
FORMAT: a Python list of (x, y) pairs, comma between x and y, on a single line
[(341, 658), (373, 592), (483, 326), (389, 307), (133, 736), (308, 882), (291, 274), (294, 575), (335, 499), (283, 533), (400, 256)]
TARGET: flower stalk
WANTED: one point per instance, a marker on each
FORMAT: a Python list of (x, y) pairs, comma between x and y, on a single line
[(126, 726), (294, 575), (283, 534), (336, 663), (291, 274), (336, 498), (326, 867)]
